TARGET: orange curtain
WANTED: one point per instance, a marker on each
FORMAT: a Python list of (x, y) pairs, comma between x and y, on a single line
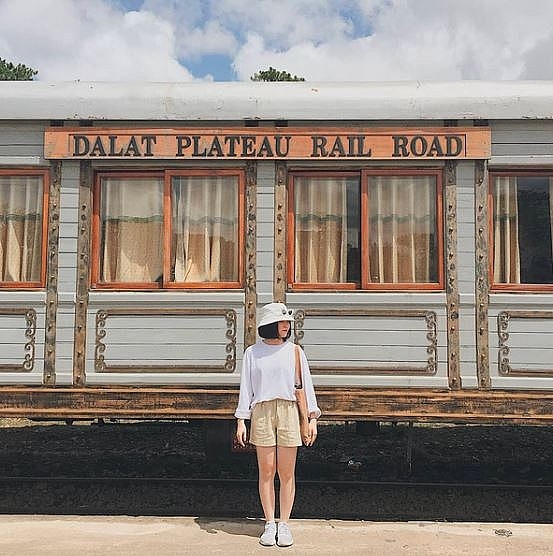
[(21, 210), (321, 222), (131, 242)]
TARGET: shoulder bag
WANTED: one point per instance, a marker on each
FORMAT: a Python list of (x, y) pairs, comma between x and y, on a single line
[(301, 400)]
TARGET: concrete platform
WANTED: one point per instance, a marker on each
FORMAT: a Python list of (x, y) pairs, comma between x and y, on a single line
[(154, 536)]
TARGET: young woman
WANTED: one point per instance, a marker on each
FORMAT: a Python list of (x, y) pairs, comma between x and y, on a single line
[(267, 397)]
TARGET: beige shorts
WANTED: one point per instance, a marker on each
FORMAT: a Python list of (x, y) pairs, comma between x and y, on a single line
[(275, 423)]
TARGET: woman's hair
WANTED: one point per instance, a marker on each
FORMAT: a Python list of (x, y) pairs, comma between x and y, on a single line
[(270, 331)]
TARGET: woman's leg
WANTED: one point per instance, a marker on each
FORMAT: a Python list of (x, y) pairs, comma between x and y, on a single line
[(286, 468), (266, 463)]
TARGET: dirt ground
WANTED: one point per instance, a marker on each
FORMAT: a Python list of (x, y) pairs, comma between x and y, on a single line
[(480, 454)]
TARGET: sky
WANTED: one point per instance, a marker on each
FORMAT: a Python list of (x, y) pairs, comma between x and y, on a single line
[(320, 40)]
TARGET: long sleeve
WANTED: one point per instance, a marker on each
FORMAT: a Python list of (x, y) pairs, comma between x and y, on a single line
[(243, 410), (312, 406)]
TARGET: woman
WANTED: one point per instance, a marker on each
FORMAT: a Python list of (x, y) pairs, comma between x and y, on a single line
[(267, 397)]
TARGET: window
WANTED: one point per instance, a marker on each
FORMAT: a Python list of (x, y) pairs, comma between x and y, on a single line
[(23, 202), (371, 230), (522, 220), (168, 230)]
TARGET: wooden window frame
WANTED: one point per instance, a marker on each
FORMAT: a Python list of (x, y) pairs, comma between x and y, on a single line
[(514, 172), (45, 173), (363, 177), (166, 176)]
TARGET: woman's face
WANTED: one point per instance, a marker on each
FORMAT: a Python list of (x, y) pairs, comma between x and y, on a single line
[(283, 328)]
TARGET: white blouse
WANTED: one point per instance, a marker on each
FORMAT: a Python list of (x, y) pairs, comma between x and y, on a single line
[(268, 373)]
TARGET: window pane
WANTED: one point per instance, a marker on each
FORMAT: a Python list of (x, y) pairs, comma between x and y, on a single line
[(402, 230), (21, 211), (205, 242), (131, 221), (522, 210), (327, 230)]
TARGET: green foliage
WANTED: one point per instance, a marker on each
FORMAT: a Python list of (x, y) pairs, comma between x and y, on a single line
[(11, 72), (273, 74)]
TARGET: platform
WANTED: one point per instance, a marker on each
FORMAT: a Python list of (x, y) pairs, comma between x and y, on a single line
[(146, 536)]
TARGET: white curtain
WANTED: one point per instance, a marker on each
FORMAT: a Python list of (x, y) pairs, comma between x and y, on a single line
[(321, 229), (21, 210), (131, 220), (506, 264), (204, 229), (402, 229)]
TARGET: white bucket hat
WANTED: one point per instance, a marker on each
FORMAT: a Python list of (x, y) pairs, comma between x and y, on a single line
[(274, 312)]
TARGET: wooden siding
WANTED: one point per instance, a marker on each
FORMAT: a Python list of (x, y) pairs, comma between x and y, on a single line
[(466, 272), (216, 402), (21, 145), (363, 366), (141, 340), (265, 231)]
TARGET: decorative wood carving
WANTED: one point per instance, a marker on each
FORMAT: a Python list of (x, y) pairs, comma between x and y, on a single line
[(100, 346), (482, 263), (28, 362), (431, 335)]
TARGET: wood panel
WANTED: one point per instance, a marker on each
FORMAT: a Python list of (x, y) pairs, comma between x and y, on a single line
[(169, 350), (484, 406), (353, 349)]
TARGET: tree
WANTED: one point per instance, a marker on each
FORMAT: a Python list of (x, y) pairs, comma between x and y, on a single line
[(11, 72), (273, 74)]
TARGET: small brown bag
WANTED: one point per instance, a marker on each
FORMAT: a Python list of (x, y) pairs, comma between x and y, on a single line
[(301, 400), (237, 448)]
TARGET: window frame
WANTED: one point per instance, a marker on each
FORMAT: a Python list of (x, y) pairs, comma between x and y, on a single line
[(364, 285), (166, 176), (514, 172), (45, 173)]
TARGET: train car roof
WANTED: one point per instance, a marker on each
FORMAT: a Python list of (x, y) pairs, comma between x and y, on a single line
[(214, 101)]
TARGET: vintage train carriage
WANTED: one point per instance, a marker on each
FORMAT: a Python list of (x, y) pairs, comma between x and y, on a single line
[(409, 225)]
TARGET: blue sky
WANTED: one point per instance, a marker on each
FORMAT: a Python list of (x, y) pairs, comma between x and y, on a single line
[(321, 40)]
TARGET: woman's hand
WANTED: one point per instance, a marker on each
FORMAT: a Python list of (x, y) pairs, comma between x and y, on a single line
[(312, 432), (241, 432)]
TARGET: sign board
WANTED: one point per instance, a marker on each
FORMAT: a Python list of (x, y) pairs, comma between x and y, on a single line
[(268, 143)]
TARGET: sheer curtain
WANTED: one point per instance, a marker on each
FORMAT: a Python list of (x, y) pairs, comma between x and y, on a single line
[(204, 246), (321, 229), (21, 199), (402, 229), (506, 267), (131, 219)]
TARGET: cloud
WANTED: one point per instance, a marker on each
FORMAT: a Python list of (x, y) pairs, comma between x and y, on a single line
[(322, 40), (68, 40), (423, 40)]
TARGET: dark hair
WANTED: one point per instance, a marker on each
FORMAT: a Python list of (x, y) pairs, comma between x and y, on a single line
[(270, 331)]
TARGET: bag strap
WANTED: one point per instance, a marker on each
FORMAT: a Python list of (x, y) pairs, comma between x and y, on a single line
[(298, 382)]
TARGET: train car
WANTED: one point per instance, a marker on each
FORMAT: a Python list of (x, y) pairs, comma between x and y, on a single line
[(409, 225)]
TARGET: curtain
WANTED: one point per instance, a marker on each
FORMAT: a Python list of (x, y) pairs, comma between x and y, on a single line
[(551, 210), (402, 226), (21, 199), (506, 264), (131, 219), (204, 243), (321, 229)]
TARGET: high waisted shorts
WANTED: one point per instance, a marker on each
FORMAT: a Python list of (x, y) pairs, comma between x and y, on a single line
[(275, 423)]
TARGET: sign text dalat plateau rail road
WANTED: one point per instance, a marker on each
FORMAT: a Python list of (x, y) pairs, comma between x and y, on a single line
[(268, 143)]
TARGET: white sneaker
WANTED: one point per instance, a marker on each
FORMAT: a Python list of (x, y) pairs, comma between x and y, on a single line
[(284, 535), (268, 538)]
